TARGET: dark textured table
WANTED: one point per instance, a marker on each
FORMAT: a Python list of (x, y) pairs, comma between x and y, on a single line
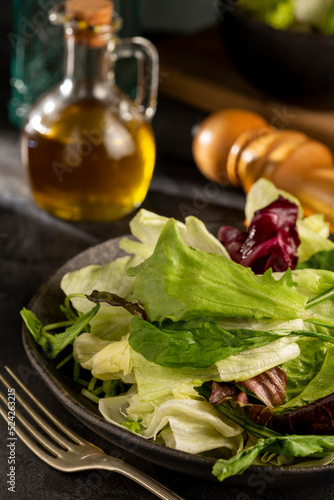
[(33, 244)]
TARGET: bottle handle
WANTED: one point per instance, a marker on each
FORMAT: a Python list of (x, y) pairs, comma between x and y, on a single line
[(147, 71)]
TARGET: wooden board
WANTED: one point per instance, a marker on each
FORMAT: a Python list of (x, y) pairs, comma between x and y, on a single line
[(196, 70)]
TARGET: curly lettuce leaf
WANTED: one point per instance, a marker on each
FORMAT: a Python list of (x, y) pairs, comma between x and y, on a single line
[(183, 424), (147, 226), (181, 283), (111, 323)]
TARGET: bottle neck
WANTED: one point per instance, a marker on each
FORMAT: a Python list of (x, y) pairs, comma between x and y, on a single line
[(86, 65)]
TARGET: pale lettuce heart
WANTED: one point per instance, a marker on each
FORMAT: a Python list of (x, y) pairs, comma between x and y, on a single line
[(191, 411), (313, 281), (250, 363), (86, 346), (187, 425), (114, 409), (155, 381), (147, 226), (110, 323), (109, 360), (142, 411), (188, 434), (313, 233)]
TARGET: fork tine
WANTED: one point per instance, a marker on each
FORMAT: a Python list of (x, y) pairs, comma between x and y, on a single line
[(28, 442), (44, 441), (69, 433), (58, 438)]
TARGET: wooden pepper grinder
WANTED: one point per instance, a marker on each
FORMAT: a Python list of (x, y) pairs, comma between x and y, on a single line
[(290, 159)]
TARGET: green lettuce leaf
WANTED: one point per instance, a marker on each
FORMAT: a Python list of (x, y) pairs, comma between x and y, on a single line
[(180, 283), (313, 283), (113, 323), (310, 376), (53, 344), (114, 409), (147, 226), (293, 446), (155, 381), (193, 344), (321, 260), (313, 233)]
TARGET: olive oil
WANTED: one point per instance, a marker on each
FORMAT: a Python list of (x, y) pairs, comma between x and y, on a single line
[(89, 163)]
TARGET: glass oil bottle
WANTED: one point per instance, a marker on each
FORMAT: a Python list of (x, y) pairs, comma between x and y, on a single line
[(88, 149)]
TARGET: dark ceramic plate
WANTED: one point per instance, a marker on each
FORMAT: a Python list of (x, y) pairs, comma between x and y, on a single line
[(45, 305)]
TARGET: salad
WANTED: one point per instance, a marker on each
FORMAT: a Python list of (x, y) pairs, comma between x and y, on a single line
[(218, 346), (295, 14)]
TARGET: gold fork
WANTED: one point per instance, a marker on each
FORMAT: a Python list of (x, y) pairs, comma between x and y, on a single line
[(71, 453)]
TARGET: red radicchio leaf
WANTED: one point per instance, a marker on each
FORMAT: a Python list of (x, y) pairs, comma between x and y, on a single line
[(242, 398), (221, 391), (269, 386), (314, 418), (259, 413), (271, 241)]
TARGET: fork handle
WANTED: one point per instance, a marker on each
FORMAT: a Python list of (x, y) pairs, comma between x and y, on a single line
[(139, 477)]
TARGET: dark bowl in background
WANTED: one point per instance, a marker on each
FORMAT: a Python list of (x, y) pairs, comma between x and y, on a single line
[(284, 62)]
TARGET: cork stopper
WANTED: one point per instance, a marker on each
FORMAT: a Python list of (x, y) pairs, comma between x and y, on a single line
[(93, 17), (94, 12)]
